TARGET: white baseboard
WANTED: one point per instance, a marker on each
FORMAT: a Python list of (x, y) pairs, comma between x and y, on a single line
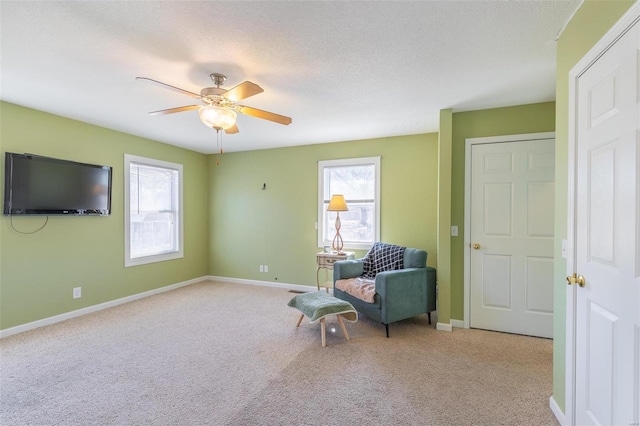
[(89, 309), (442, 326), (294, 287), (557, 411), (457, 323)]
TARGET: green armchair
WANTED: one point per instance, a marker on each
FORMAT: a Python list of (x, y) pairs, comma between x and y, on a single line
[(399, 294)]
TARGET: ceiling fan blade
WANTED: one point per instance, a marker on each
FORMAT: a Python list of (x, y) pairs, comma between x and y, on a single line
[(231, 130), (173, 110), (243, 91), (177, 89), (255, 112)]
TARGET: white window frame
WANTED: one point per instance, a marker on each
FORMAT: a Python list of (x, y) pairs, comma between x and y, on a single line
[(322, 165), (176, 254)]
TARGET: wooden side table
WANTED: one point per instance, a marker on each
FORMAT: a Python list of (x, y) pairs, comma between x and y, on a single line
[(325, 261)]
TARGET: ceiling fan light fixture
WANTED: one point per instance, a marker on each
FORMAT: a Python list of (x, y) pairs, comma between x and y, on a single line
[(216, 117), (219, 110)]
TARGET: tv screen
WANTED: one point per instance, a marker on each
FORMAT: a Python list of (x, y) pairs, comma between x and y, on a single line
[(36, 185)]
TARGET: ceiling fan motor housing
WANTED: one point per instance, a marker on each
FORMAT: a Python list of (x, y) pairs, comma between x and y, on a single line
[(214, 96)]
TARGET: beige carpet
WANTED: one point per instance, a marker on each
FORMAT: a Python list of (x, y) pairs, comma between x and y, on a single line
[(229, 354)]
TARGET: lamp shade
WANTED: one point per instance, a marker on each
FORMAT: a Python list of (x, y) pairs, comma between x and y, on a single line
[(337, 204), (216, 117)]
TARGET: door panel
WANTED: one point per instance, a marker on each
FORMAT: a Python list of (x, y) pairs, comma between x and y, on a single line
[(496, 291), (603, 99), (539, 285), (497, 209), (599, 388), (541, 196), (601, 190)]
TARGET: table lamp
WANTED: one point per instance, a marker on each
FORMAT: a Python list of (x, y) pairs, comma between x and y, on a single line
[(337, 204)]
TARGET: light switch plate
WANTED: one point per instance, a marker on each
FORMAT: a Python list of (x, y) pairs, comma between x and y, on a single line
[(454, 231)]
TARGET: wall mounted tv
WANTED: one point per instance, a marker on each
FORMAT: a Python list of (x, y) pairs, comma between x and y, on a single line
[(36, 185)]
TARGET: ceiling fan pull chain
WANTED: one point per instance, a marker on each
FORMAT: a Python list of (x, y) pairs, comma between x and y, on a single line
[(219, 145)]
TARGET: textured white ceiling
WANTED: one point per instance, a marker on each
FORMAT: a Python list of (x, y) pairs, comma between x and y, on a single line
[(341, 70)]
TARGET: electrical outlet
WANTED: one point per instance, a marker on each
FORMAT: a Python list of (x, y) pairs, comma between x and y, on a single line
[(261, 268), (77, 292), (266, 268)]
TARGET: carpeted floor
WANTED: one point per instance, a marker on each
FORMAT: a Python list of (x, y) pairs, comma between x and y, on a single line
[(229, 354)]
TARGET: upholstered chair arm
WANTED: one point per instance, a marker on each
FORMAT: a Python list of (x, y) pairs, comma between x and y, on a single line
[(344, 269), (403, 293)]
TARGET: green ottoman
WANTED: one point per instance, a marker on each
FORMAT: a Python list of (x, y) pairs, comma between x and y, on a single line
[(318, 304)]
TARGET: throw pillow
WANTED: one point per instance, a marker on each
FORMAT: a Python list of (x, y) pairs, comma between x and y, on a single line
[(382, 257)]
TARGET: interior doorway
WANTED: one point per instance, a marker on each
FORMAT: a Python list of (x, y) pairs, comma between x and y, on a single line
[(509, 234)]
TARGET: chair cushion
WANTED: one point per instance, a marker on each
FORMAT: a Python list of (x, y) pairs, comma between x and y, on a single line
[(362, 288)]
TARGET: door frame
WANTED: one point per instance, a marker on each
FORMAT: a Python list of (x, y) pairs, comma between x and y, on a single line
[(610, 38), (469, 142)]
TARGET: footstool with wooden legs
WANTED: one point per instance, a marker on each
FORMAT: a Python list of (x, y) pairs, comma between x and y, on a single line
[(318, 304)]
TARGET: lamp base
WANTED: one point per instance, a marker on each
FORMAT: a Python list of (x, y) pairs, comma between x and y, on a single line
[(337, 240)]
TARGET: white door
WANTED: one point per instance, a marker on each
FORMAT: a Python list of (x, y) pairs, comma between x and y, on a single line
[(607, 238), (511, 234)]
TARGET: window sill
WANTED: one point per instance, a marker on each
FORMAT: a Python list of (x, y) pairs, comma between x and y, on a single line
[(152, 259)]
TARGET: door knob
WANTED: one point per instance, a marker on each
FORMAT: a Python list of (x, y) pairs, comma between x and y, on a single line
[(575, 279), (476, 246)]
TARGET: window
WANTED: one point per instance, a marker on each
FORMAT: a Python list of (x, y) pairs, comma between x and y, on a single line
[(153, 210), (358, 179)]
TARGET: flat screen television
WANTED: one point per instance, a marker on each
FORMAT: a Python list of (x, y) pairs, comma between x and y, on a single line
[(36, 185)]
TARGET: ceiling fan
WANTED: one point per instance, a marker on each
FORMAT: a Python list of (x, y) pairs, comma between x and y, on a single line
[(219, 109)]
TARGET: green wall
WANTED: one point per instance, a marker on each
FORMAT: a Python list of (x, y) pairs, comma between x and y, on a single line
[(515, 120), (589, 24), (38, 271), (276, 227)]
